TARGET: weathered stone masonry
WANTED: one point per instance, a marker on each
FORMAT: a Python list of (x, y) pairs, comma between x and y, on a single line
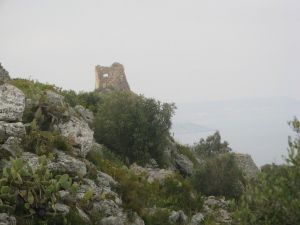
[(111, 78)]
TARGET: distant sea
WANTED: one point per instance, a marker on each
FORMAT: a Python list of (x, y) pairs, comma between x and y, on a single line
[(257, 126)]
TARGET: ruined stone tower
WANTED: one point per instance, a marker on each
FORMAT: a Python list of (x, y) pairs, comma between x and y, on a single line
[(111, 78)]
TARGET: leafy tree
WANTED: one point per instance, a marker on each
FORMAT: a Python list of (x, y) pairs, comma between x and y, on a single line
[(220, 176), (212, 145), (275, 198), (134, 127)]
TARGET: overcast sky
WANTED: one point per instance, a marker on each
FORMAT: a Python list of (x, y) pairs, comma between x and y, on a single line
[(174, 50)]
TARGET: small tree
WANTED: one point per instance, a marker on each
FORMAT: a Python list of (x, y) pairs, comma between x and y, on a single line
[(212, 146), (133, 126), (220, 176)]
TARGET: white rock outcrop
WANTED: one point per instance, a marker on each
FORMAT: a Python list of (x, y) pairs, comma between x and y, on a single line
[(12, 103), (79, 132)]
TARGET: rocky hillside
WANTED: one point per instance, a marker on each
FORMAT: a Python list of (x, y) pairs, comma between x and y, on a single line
[(53, 171)]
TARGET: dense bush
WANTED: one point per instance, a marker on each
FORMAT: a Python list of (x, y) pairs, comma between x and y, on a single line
[(275, 198), (134, 127), (159, 217), (90, 100), (44, 142), (211, 146), (219, 176)]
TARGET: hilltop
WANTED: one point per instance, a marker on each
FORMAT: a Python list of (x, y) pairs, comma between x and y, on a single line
[(108, 158)]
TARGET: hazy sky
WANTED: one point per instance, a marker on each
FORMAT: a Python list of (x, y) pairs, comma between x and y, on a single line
[(174, 50)]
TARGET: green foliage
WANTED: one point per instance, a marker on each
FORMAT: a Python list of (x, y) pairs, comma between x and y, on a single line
[(274, 199), (44, 142), (159, 217), (90, 100), (188, 152), (134, 127), (219, 176), (32, 89), (212, 146), (29, 193), (137, 194)]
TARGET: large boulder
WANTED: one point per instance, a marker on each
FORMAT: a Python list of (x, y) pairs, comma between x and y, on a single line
[(12, 146), (12, 103), (54, 99), (217, 208), (5, 219), (4, 76), (86, 114), (178, 217), (112, 220), (64, 163), (79, 132), (247, 165), (152, 174), (197, 219), (11, 130), (31, 159), (184, 165)]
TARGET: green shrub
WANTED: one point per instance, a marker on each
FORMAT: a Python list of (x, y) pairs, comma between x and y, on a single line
[(219, 176), (274, 199), (134, 127), (44, 142), (212, 146), (159, 217), (90, 100)]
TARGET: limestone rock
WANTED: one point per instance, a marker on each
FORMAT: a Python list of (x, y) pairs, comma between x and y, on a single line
[(80, 133), (98, 191), (197, 219), (86, 114), (247, 165), (184, 164), (107, 208), (83, 215), (112, 220), (55, 99), (217, 208), (105, 180), (31, 159), (137, 220), (67, 164), (152, 174), (5, 219), (12, 103), (62, 208), (62, 164), (178, 217), (11, 130), (4, 76), (12, 146)]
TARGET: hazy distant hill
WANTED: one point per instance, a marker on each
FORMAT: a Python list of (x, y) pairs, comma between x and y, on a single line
[(255, 125)]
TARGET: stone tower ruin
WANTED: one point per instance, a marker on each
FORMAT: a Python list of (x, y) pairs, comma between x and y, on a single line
[(111, 78)]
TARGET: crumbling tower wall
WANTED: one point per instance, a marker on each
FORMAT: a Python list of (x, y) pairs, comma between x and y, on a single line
[(111, 78)]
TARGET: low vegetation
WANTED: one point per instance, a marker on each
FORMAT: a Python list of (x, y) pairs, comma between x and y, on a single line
[(275, 197), (132, 128)]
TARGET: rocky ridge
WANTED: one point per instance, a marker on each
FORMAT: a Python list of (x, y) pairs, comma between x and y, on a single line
[(73, 123)]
